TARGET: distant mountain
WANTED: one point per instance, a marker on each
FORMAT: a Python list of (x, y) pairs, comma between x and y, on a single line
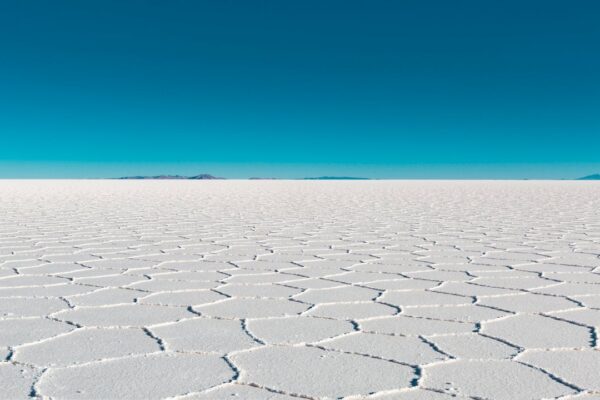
[(195, 177), (337, 178), (209, 177), (594, 177), (155, 177), (204, 176)]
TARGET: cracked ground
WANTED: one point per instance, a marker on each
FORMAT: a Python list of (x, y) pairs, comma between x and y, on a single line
[(294, 289)]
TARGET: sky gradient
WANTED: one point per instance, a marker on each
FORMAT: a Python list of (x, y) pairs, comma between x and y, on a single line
[(386, 89)]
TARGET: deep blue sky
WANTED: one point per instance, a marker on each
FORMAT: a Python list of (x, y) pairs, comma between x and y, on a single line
[(297, 88)]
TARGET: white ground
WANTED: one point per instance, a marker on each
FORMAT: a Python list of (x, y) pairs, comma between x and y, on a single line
[(276, 290)]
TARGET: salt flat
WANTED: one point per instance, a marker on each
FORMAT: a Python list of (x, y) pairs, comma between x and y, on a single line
[(294, 289)]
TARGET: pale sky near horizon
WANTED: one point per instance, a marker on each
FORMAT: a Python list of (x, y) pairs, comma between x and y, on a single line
[(382, 89)]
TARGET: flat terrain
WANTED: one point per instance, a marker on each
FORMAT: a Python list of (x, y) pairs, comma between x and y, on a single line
[(286, 289)]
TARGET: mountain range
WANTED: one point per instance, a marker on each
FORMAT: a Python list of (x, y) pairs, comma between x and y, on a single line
[(208, 176), (195, 177), (593, 177)]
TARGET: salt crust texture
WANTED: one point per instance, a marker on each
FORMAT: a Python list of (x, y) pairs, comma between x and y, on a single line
[(292, 289)]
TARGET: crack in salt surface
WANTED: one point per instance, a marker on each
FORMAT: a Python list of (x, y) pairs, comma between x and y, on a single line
[(286, 247)]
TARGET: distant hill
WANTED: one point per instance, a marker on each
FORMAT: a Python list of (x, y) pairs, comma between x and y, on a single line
[(209, 177), (195, 177), (594, 177), (337, 178), (204, 176)]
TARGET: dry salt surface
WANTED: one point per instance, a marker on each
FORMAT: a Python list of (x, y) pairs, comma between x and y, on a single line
[(292, 289)]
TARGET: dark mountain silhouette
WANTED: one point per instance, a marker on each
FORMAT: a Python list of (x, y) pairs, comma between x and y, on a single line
[(337, 178), (204, 176), (210, 177), (593, 177), (195, 177)]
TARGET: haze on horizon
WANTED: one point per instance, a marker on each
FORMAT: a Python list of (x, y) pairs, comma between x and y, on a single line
[(381, 89)]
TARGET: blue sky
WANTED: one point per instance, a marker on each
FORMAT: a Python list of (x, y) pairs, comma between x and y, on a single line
[(405, 89)]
